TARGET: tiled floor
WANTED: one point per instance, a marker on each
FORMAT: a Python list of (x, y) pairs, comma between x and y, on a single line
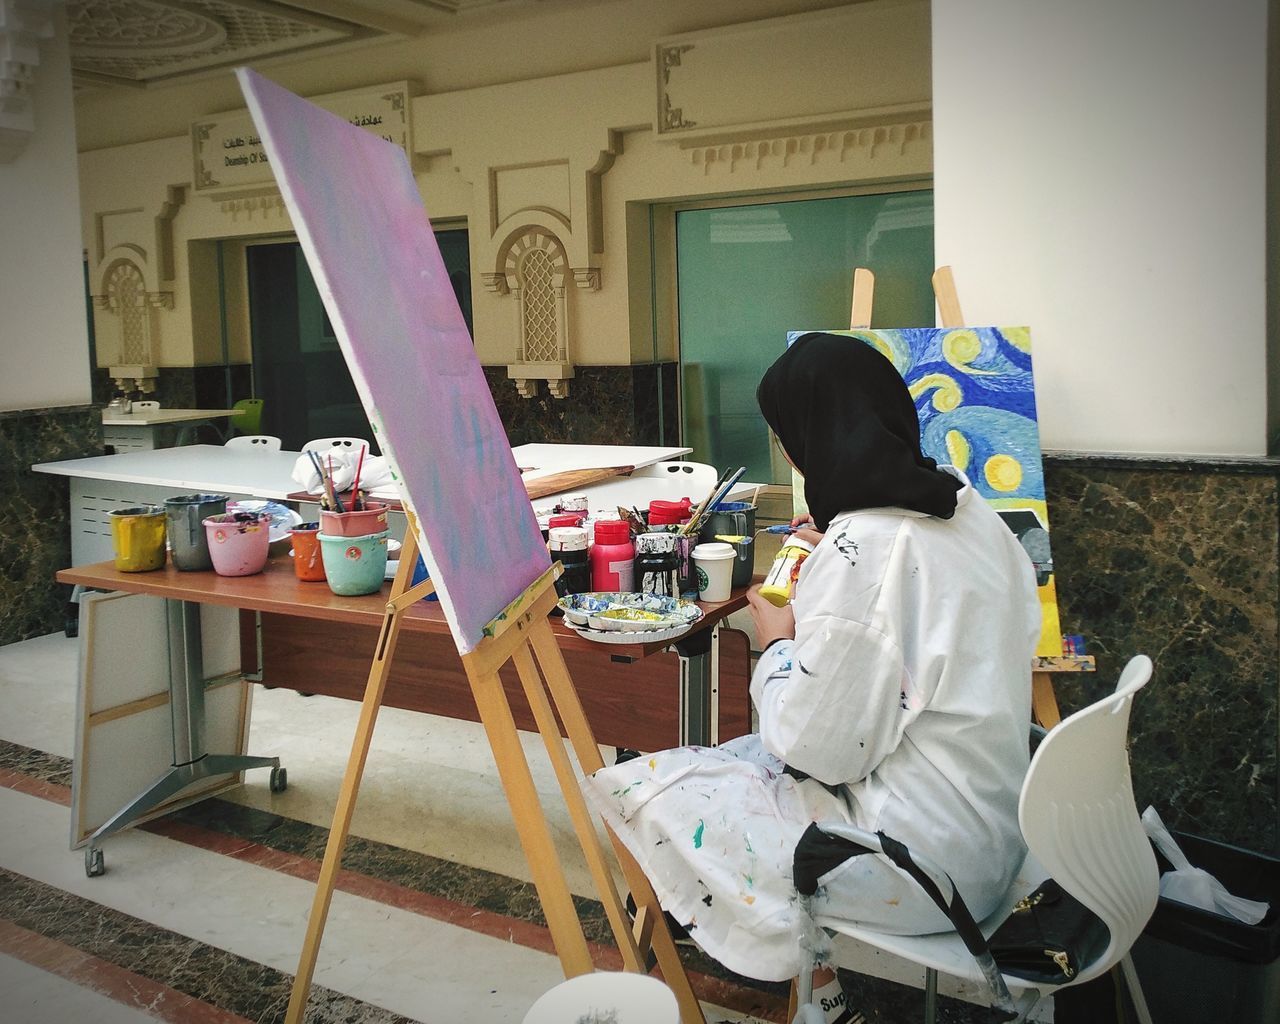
[(200, 915)]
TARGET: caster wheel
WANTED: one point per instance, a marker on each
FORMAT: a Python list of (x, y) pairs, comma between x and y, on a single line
[(279, 780), (93, 862)]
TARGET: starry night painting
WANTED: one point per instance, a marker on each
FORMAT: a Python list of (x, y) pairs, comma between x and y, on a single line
[(976, 401)]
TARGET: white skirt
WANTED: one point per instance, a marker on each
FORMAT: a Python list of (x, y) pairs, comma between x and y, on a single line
[(715, 830)]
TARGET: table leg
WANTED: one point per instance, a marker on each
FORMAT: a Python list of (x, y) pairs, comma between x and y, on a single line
[(191, 761), (700, 688)]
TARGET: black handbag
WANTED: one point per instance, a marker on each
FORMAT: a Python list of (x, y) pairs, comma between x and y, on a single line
[(1048, 937)]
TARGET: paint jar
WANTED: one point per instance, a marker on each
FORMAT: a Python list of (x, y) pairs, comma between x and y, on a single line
[(667, 515), (713, 565), (575, 503), (238, 542), (184, 519), (568, 546), (613, 557), (657, 564), (686, 577), (354, 565), (735, 519), (564, 519), (137, 537), (779, 583), (308, 565), (368, 521)]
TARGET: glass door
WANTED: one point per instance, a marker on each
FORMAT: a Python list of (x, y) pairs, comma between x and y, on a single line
[(749, 274)]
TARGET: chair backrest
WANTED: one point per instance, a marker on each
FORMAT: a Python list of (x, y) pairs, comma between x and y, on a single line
[(693, 478), (248, 418), (346, 444), (1080, 821), (145, 405), (254, 442)]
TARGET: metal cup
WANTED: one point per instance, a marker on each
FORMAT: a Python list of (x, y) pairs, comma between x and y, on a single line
[(185, 515), (738, 519)]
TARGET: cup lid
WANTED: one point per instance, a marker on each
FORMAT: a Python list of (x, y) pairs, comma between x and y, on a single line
[(714, 550)]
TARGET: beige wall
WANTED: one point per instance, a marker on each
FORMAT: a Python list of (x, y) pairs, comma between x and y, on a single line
[(579, 154), (42, 324)]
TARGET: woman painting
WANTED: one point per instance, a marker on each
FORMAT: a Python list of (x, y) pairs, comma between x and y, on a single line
[(893, 692)]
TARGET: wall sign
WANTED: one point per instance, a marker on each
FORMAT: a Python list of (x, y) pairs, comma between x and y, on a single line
[(227, 152)]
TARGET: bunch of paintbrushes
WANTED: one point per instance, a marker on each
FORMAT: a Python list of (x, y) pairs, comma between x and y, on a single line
[(718, 493), (332, 500)]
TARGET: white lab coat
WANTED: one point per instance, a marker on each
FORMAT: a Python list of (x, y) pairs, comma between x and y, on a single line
[(906, 696)]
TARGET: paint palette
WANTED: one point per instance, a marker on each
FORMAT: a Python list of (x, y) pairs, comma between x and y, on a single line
[(628, 613)]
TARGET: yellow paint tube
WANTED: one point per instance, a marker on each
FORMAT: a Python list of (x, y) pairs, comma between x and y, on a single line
[(779, 584)]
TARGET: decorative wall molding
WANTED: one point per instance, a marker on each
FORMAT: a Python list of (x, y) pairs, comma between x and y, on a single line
[(809, 149), (535, 270), (828, 66), (496, 283), (22, 29), (265, 206), (175, 197), (587, 278)]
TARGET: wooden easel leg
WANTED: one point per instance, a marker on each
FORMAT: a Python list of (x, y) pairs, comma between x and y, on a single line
[(944, 289), (556, 673), (1044, 703), (341, 827), (864, 283), (531, 822), (345, 808), (583, 822)]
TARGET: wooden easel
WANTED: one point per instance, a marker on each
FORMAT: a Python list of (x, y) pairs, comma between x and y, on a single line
[(522, 634), (1044, 703)]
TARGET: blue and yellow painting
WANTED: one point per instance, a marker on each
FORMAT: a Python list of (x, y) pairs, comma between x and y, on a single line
[(976, 401)]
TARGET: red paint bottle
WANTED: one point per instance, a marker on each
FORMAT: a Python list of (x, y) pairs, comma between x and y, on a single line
[(613, 557)]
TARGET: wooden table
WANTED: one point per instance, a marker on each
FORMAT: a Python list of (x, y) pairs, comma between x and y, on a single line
[(302, 636)]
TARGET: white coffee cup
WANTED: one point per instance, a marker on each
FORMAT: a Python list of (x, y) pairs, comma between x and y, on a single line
[(713, 567)]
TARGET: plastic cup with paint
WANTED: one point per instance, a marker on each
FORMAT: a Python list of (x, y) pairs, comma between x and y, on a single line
[(137, 537), (308, 565), (779, 583), (238, 542), (369, 520), (713, 567), (354, 565), (184, 519)]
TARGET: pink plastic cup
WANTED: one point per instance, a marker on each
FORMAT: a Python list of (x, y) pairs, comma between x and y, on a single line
[(371, 519), (238, 542)]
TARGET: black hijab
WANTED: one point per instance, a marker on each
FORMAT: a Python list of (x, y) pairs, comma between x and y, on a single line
[(848, 422)]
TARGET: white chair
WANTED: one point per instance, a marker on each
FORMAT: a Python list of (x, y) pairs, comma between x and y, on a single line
[(328, 444), (693, 478), (1082, 829), (145, 405), (254, 442)]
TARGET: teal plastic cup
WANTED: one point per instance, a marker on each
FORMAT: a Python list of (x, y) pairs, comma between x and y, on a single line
[(354, 565)]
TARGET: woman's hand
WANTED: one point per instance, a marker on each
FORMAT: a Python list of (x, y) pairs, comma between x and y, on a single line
[(810, 535), (771, 623)]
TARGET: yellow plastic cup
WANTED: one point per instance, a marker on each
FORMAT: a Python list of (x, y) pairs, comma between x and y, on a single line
[(137, 537)]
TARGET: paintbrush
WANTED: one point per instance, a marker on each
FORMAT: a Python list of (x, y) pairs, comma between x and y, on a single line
[(333, 491), (720, 495), (356, 504), (685, 529), (324, 484)]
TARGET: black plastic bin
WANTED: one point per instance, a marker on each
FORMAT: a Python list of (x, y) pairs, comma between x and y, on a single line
[(1197, 967)]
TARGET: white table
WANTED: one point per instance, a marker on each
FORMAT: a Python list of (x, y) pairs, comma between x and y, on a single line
[(105, 482), (144, 430)]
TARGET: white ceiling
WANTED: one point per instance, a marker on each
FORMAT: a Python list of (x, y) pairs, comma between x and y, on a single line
[(139, 42)]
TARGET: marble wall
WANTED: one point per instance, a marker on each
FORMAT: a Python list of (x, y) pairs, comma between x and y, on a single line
[(1180, 562), (606, 405), (35, 533)]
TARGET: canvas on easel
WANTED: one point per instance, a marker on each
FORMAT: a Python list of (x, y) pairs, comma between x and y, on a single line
[(367, 238)]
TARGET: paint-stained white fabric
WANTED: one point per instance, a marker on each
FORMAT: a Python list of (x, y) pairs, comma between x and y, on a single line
[(906, 696)]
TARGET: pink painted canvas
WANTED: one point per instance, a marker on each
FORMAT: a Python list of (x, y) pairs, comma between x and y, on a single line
[(365, 233)]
